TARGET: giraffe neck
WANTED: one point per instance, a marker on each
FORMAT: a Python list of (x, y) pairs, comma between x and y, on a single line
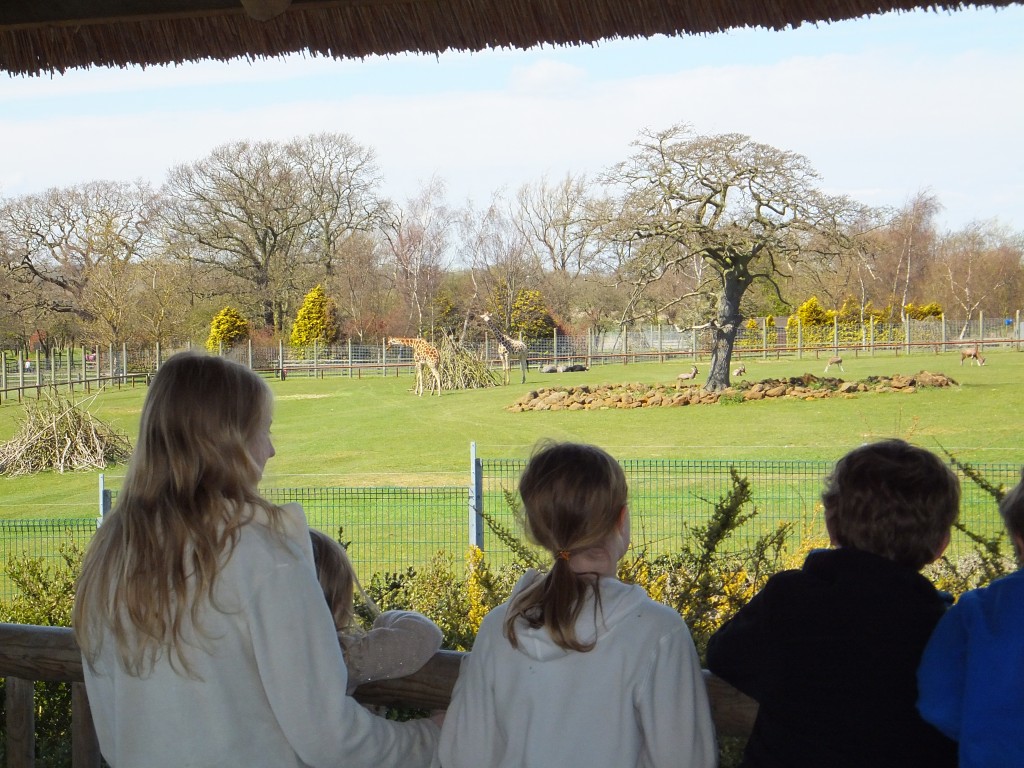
[(504, 340), (421, 348)]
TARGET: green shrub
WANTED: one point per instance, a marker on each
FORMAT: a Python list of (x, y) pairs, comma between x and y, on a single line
[(44, 597)]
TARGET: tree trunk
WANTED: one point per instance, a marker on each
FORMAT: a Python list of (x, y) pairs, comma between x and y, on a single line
[(724, 329)]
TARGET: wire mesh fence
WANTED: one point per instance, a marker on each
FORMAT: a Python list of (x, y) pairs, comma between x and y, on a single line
[(40, 538), (669, 496), (389, 529)]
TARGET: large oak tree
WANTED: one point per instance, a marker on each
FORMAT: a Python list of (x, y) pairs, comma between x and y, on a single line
[(746, 211), (275, 217)]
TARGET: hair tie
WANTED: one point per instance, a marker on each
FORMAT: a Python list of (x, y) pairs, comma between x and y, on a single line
[(564, 554)]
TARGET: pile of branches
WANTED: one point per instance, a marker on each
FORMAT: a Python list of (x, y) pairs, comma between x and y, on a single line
[(61, 435), (460, 369)]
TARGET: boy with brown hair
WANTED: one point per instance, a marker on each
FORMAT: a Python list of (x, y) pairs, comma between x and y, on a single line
[(971, 673), (830, 651)]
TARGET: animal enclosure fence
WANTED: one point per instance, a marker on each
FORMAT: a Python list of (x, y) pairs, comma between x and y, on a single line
[(389, 529), (23, 372)]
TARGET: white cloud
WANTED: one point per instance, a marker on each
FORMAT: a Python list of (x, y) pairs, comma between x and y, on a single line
[(877, 122)]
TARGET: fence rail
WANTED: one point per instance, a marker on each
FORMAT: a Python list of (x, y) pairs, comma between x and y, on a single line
[(29, 653), (389, 529)]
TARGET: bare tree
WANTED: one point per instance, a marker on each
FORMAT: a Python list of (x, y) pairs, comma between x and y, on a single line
[(418, 238), (913, 236), (557, 224), (77, 246), (977, 261), (340, 184), (274, 216), (748, 211), (363, 287), (499, 258)]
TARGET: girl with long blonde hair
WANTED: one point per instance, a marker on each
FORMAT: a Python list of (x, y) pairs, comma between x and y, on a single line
[(204, 633)]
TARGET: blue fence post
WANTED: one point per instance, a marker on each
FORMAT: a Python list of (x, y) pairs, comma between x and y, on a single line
[(476, 499)]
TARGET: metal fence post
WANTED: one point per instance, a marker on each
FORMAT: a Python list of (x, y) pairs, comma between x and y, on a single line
[(476, 499), (106, 502)]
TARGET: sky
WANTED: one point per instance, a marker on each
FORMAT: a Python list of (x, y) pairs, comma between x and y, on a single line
[(883, 107)]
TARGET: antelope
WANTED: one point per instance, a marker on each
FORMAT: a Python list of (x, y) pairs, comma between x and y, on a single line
[(835, 360), (740, 371), (686, 376), (971, 354)]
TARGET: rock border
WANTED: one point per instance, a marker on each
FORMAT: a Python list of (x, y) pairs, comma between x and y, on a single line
[(807, 387)]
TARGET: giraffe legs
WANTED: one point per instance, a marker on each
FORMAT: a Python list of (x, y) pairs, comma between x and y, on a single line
[(419, 379), (435, 374), (505, 364)]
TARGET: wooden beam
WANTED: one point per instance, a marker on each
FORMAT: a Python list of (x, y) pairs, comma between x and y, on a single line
[(51, 653)]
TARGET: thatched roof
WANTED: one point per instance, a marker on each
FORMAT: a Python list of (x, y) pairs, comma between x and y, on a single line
[(44, 36)]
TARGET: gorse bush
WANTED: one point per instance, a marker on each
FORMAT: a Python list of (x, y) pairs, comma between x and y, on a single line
[(44, 597), (227, 328), (991, 557), (316, 321)]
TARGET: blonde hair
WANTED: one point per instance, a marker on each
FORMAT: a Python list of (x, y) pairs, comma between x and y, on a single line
[(191, 484), (338, 581), (573, 497)]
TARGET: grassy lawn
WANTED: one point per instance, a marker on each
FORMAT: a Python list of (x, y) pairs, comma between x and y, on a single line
[(373, 431)]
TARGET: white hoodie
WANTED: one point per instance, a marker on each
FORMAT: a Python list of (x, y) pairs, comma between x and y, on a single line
[(636, 699)]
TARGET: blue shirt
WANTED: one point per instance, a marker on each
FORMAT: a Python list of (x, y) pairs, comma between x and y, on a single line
[(971, 678)]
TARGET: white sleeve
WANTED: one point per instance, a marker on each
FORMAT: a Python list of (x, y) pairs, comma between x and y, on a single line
[(471, 731), (296, 528), (672, 707), (303, 673)]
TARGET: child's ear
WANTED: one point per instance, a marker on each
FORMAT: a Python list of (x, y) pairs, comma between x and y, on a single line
[(830, 529), (939, 550), (1018, 546)]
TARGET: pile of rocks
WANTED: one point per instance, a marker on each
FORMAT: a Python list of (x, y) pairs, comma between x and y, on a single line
[(806, 387)]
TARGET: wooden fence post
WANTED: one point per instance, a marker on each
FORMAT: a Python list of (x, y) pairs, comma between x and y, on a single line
[(85, 747), (21, 723)]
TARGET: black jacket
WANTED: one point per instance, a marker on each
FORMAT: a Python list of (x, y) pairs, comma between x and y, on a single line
[(830, 652)]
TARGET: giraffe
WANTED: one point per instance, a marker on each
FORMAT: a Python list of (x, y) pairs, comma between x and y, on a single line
[(423, 354), (507, 348)]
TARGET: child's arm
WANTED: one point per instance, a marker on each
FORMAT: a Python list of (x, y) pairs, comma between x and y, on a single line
[(673, 708), (399, 644), (741, 651), (473, 735), (942, 672)]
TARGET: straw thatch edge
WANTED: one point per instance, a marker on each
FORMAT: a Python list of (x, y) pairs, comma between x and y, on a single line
[(361, 28)]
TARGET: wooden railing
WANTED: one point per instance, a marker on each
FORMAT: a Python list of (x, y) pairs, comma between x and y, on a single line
[(29, 653)]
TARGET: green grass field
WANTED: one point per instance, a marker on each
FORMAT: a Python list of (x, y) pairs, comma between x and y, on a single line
[(373, 431)]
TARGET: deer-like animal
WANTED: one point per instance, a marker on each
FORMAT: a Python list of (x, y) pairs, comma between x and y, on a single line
[(686, 376), (742, 369), (971, 354), (835, 360)]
